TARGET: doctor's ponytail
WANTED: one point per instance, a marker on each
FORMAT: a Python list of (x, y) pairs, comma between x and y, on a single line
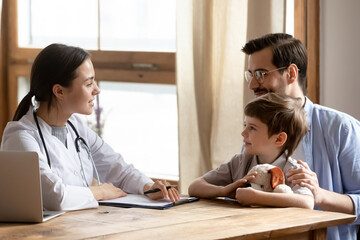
[(24, 106)]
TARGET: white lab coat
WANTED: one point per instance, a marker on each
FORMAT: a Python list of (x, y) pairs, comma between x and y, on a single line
[(63, 186)]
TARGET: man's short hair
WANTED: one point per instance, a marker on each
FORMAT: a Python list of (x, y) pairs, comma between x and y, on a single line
[(281, 114), (286, 50)]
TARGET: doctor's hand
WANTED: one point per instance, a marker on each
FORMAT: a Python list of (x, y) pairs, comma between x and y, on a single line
[(170, 193), (106, 191), (306, 178)]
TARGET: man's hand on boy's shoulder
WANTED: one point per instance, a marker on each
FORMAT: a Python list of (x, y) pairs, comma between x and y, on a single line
[(305, 178)]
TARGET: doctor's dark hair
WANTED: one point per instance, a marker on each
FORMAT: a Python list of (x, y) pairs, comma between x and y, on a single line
[(281, 114), (55, 64), (286, 50)]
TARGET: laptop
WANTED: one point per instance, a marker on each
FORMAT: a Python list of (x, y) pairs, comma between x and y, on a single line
[(20, 189)]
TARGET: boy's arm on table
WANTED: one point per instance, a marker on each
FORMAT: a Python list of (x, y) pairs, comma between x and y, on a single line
[(201, 188), (250, 196)]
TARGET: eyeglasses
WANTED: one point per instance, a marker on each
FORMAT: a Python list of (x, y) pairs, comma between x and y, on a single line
[(259, 75)]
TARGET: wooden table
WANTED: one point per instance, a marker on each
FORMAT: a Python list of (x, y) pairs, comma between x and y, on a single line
[(205, 219)]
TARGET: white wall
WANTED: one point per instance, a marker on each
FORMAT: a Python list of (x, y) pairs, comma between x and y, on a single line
[(340, 55)]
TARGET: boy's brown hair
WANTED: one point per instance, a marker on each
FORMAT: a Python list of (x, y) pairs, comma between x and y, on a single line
[(281, 114)]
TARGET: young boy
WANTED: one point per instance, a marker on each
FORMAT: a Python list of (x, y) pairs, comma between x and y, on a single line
[(274, 125)]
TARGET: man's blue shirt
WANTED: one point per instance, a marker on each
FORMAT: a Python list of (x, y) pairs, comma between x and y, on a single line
[(332, 151)]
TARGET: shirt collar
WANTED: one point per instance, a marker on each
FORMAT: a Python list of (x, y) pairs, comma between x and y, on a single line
[(308, 109), (280, 161)]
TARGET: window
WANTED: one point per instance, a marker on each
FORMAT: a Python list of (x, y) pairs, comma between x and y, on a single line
[(143, 25), (140, 122), (132, 44), (73, 22), (137, 25), (289, 27), (23, 87)]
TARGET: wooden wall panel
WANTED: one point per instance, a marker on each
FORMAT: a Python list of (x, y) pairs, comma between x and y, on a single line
[(306, 28)]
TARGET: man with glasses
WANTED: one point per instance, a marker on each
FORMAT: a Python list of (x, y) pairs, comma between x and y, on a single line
[(331, 149)]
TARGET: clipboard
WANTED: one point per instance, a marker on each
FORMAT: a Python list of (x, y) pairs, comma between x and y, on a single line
[(141, 201)]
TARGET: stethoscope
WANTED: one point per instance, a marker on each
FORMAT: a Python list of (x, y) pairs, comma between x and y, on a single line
[(78, 141)]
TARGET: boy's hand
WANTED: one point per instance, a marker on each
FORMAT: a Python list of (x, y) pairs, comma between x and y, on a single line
[(246, 196), (230, 190)]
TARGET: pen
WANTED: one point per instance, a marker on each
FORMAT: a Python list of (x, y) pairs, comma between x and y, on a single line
[(156, 190)]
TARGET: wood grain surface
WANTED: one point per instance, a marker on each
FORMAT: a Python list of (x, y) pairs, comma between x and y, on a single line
[(205, 219)]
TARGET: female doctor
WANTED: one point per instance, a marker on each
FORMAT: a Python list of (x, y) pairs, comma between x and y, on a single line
[(71, 155)]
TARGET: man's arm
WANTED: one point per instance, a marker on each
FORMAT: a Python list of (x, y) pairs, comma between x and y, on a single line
[(250, 196), (324, 199), (332, 201)]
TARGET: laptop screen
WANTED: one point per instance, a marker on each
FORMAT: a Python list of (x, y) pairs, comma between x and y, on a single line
[(20, 187)]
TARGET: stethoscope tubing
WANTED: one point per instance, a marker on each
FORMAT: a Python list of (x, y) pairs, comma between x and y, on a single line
[(77, 146)]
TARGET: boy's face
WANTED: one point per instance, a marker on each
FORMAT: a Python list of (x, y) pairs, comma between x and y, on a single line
[(257, 140)]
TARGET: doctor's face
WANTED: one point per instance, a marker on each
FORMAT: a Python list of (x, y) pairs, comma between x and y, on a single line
[(81, 94)]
